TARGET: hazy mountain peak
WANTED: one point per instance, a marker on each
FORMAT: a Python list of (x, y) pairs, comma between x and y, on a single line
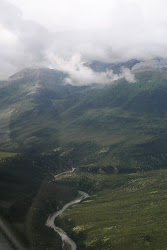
[(98, 66), (157, 63), (36, 74)]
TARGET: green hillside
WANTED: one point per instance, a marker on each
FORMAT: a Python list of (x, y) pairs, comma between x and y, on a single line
[(122, 124), (105, 131), (124, 211)]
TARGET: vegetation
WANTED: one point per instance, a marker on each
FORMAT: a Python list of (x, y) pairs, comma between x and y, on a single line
[(28, 195), (47, 127), (123, 212), (122, 124), (6, 155)]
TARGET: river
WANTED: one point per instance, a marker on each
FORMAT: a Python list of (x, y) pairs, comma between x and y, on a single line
[(51, 218)]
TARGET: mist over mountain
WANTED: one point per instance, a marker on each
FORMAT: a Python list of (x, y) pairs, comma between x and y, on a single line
[(75, 73), (154, 64), (40, 110), (115, 67), (83, 114), (112, 32)]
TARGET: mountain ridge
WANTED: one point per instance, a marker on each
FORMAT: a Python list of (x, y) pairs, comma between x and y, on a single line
[(87, 119)]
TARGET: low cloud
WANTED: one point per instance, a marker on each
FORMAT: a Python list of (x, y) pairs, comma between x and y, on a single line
[(107, 31), (128, 75), (80, 74)]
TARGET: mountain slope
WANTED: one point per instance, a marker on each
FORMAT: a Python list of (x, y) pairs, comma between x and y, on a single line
[(116, 67), (28, 95), (116, 128), (121, 124)]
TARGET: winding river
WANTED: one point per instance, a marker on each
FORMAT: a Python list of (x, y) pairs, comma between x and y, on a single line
[(51, 218)]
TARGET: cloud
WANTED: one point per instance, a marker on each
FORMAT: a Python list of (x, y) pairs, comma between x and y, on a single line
[(80, 74), (22, 42), (129, 76), (104, 30)]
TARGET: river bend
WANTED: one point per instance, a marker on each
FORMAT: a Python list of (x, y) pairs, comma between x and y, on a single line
[(51, 218)]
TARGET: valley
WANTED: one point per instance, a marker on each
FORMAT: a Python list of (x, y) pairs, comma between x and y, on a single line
[(113, 135), (83, 125), (126, 211), (129, 119)]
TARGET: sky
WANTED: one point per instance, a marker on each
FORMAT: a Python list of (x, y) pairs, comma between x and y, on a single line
[(57, 33)]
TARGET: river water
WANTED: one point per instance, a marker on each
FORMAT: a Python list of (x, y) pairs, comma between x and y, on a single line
[(51, 218)]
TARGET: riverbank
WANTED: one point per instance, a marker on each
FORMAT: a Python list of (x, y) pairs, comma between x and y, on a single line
[(27, 197), (125, 211), (51, 219)]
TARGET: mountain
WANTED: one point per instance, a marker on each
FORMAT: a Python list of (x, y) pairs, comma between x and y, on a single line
[(134, 65), (116, 67), (28, 95), (47, 127), (121, 124), (153, 64)]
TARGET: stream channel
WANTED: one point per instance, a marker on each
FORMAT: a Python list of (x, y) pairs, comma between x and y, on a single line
[(52, 217)]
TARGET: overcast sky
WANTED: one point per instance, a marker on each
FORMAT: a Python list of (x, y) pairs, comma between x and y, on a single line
[(40, 33)]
